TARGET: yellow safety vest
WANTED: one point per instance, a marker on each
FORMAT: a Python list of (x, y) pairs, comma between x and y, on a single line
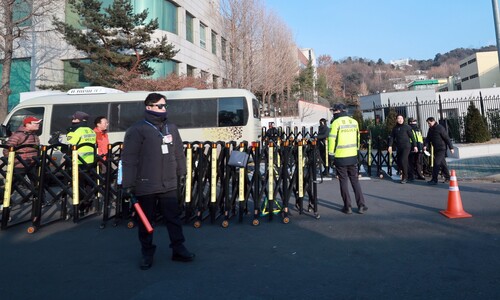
[(343, 140), (83, 135)]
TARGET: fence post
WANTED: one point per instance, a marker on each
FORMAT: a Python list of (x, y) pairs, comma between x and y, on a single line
[(418, 116), (482, 104), (440, 108)]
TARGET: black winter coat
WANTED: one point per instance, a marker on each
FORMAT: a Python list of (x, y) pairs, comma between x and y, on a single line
[(145, 167), (402, 137), (438, 137)]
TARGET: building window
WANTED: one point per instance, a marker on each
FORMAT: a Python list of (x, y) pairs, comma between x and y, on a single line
[(203, 36), (189, 27), (22, 9), (473, 76), (190, 71), (465, 79), (215, 82), (19, 79), (223, 48), (463, 65), (170, 17), (214, 42), (471, 61)]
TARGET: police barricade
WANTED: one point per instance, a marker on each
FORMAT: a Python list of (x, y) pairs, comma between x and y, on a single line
[(20, 186), (271, 177), (115, 205)]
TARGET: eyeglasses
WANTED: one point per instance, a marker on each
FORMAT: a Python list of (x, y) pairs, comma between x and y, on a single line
[(160, 106)]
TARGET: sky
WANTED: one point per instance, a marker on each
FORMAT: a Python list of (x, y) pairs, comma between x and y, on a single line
[(387, 29)]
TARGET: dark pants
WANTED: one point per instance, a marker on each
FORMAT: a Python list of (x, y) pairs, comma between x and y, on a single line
[(350, 173), (322, 153), (402, 161), (169, 209), (415, 165), (440, 164)]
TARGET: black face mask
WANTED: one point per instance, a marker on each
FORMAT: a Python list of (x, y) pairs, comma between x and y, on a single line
[(160, 114)]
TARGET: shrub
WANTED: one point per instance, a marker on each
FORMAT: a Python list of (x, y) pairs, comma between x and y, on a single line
[(476, 128)]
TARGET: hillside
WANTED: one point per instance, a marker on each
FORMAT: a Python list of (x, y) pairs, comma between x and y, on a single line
[(362, 77)]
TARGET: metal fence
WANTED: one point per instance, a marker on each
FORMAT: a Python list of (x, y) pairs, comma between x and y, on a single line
[(449, 112)]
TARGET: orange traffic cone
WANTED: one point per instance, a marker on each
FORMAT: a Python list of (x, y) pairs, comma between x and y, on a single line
[(455, 209)]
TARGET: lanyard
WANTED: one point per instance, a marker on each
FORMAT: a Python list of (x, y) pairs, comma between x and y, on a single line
[(166, 128)]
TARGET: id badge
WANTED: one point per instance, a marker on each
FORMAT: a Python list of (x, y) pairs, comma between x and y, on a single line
[(164, 149), (167, 139)]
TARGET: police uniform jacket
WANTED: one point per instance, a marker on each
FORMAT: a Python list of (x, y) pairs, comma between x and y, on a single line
[(343, 141), (402, 137), (79, 134), (438, 137), (145, 167)]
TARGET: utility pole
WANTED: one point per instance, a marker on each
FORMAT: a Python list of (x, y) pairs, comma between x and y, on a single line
[(497, 27)]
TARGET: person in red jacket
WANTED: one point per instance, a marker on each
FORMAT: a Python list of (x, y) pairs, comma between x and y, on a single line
[(101, 132)]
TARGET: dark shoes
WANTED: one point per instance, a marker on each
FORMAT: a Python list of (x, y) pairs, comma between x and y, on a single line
[(184, 256), (347, 210), (146, 262), (362, 209), (432, 182)]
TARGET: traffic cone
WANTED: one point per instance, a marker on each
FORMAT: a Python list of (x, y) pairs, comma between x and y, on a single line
[(455, 208)]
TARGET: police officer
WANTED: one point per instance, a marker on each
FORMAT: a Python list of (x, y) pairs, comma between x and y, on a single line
[(322, 136), (80, 133), (415, 158), (343, 145)]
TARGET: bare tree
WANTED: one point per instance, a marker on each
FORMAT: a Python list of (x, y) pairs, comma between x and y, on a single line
[(19, 23)]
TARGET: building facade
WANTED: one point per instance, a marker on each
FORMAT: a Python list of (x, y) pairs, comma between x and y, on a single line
[(192, 27), (480, 70)]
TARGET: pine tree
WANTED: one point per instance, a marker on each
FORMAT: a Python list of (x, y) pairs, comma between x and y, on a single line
[(390, 121), (476, 128), (113, 38)]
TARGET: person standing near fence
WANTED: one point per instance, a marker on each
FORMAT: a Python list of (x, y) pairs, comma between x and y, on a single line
[(402, 137), (343, 146), (153, 163), (26, 134), (415, 158), (440, 141), (101, 132), (322, 136)]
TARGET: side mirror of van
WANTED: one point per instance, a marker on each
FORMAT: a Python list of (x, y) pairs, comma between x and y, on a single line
[(3, 131)]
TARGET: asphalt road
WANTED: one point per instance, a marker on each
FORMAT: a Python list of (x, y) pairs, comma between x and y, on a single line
[(402, 248)]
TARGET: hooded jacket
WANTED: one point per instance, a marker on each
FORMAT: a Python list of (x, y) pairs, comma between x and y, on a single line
[(145, 167)]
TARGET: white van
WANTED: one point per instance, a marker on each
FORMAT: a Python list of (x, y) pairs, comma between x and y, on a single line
[(201, 115)]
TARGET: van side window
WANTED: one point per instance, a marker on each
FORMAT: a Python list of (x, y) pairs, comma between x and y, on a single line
[(195, 113), (17, 118), (232, 112), (61, 114), (123, 115)]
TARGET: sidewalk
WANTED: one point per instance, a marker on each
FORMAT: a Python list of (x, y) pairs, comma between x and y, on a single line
[(480, 168)]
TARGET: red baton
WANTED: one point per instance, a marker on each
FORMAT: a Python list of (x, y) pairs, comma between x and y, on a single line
[(141, 214)]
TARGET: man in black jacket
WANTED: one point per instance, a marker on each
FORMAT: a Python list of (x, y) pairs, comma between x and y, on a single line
[(402, 136), (153, 160), (439, 139)]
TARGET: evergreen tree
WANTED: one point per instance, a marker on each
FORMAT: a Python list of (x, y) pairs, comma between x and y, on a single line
[(358, 116), (476, 128), (113, 38), (390, 121)]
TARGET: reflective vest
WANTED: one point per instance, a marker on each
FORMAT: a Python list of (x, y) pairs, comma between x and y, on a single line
[(343, 140), (417, 136), (83, 135)]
